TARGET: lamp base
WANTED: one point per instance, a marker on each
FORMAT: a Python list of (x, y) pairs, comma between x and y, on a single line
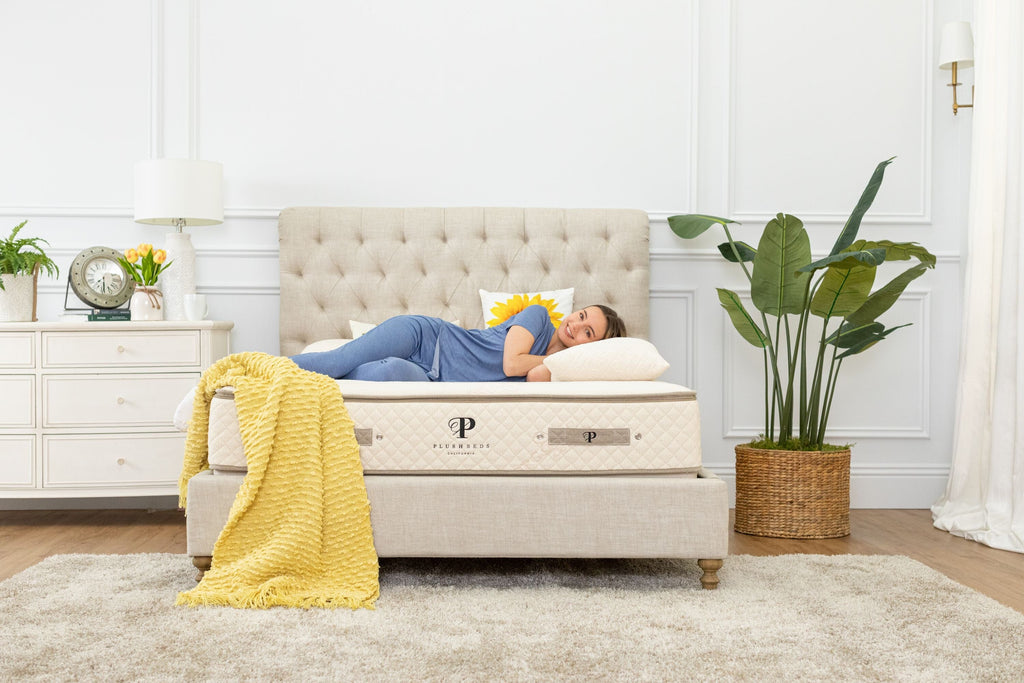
[(180, 278)]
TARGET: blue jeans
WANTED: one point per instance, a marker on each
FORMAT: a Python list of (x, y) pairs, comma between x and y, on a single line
[(400, 349)]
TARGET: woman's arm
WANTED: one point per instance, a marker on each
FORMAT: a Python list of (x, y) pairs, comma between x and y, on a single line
[(517, 360)]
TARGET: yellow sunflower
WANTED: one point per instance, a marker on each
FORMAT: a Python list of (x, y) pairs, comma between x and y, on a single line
[(503, 310)]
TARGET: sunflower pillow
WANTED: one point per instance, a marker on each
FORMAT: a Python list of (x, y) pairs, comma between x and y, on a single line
[(500, 306)]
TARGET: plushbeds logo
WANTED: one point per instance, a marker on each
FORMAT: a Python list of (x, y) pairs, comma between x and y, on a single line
[(461, 425), (460, 428)]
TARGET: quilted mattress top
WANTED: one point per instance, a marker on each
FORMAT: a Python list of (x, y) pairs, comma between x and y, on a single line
[(505, 427)]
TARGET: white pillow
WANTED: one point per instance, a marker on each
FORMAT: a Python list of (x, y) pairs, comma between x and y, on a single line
[(359, 329), (620, 358), (500, 306), (325, 345)]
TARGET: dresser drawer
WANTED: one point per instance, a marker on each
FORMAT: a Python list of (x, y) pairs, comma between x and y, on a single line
[(16, 350), (113, 400), (121, 349), (17, 401), (17, 464), (112, 460)]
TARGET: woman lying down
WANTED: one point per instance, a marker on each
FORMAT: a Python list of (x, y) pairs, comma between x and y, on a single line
[(416, 348)]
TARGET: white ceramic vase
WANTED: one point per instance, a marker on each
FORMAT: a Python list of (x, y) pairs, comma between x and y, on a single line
[(147, 304), (18, 298)]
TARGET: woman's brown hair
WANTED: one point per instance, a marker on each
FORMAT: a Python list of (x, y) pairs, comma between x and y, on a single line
[(616, 326)]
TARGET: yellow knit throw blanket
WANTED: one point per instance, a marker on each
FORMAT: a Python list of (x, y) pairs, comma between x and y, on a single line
[(298, 533)]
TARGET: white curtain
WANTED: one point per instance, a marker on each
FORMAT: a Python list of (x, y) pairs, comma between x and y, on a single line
[(984, 499)]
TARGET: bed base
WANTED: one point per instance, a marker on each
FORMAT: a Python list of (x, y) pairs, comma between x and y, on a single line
[(652, 516)]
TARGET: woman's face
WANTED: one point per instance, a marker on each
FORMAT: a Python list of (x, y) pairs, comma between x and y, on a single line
[(582, 326)]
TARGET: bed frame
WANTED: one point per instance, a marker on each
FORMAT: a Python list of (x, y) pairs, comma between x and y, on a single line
[(367, 264)]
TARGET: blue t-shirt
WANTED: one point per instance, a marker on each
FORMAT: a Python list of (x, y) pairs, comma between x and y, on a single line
[(476, 355)]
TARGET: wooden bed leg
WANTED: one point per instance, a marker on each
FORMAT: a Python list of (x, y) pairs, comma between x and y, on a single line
[(709, 579), (202, 563)]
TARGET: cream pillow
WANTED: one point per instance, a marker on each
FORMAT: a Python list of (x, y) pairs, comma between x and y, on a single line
[(500, 306), (359, 329), (620, 358), (325, 345)]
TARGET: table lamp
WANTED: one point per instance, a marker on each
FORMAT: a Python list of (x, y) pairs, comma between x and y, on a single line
[(178, 192)]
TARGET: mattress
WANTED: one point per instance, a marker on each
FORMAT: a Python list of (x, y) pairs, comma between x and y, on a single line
[(504, 428)]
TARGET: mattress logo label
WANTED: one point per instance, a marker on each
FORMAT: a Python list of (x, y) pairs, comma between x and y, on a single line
[(567, 436), (461, 445), (461, 425)]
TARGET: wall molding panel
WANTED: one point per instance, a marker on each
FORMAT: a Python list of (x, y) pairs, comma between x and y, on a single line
[(683, 301), (920, 358), (922, 123)]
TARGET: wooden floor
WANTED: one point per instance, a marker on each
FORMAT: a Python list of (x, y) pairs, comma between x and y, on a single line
[(26, 537)]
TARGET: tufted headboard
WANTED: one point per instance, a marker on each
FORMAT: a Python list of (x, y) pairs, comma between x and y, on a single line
[(368, 264)]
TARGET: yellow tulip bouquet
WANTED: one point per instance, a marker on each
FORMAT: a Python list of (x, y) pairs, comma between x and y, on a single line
[(144, 264)]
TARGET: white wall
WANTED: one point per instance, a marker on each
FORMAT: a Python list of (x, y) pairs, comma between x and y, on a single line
[(741, 108)]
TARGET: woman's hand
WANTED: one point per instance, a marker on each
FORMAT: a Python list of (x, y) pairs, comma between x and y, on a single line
[(539, 374)]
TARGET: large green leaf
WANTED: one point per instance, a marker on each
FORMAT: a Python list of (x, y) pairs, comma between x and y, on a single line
[(903, 251), (741, 320), (883, 299), (849, 335), (777, 286), (852, 226), (691, 225), (848, 259), (746, 252), (868, 343), (842, 291)]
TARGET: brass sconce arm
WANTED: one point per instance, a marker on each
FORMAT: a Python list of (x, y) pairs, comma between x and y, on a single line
[(953, 84)]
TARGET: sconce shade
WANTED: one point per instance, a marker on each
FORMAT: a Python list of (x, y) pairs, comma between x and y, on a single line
[(179, 192), (957, 45)]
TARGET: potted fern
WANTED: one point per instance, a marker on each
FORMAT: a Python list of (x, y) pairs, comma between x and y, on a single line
[(791, 483), (21, 259)]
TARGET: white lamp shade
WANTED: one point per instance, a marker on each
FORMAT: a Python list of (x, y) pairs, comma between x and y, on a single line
[(957, 45), (171, 190)]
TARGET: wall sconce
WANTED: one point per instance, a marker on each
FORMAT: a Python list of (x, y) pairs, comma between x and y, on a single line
[(957, 48)]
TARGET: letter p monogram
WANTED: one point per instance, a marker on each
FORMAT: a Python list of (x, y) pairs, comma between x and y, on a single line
[(461, 425)]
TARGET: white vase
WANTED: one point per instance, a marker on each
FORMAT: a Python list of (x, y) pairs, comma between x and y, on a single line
[(18, 298), (147, 304)]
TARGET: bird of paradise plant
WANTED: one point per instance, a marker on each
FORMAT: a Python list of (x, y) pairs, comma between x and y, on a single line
[(787, 287)]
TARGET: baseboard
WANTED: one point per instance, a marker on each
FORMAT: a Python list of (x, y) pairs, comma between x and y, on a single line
[(84, 503), (913, 487)]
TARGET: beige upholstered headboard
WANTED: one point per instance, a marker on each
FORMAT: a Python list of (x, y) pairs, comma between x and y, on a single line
[(368, 264)]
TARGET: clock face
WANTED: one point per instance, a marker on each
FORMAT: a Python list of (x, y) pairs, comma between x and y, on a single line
[(98, 279), (104, 277)]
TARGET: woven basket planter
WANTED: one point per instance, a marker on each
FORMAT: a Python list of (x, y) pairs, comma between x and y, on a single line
[(792, 494)]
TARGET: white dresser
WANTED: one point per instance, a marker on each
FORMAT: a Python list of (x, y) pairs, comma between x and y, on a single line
[(86, 409)]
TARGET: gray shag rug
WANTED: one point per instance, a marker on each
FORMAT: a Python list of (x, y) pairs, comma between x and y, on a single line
[(793, 617)]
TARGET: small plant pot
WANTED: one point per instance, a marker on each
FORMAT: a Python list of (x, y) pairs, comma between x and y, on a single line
[(147, 303), (18, 298), (792, 494)]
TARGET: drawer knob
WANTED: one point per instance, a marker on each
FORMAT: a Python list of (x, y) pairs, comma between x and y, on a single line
[(120, 400), (121, 461), (120, 348)]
